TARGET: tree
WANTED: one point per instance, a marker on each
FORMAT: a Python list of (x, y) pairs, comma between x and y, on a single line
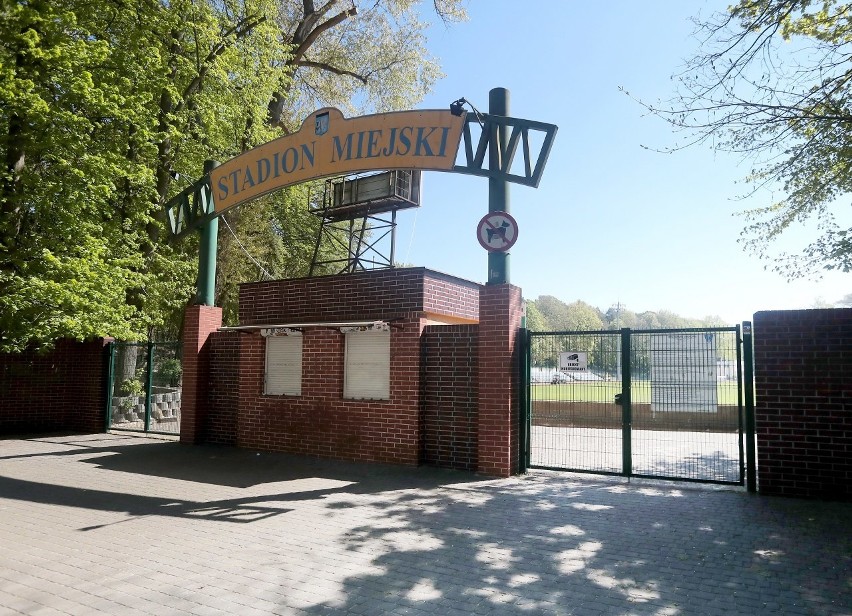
[(103, 104), (554, 311), (552, 314), (618, 316), (773, 83), (367, 55), (535, 320), (583, 317), (100, 102), (58, 258), (360, 57)]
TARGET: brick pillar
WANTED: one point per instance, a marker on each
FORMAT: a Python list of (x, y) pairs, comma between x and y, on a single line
[(803, 409), (500, 310), (90, 369), (199, 323)]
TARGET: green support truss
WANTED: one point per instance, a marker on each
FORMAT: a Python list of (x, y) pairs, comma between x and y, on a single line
[(476, 162), (191, 209)]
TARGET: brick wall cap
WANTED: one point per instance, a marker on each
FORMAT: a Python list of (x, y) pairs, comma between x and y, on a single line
[(426, 273), (330, 324), (803, 312)]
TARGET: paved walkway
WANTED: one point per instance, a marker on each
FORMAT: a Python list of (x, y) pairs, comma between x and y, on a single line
[(705, 456), (109, 524)]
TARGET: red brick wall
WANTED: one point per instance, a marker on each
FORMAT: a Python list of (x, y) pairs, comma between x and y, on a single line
[(434, 414), (321, 422), (382, 294), (500, 311), (223, 394), (450, 396), (803, 410), (63, 390), (199, 324), (444, 294)]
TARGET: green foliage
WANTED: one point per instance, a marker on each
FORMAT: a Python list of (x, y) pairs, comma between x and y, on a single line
[(568, 317), (97, 106), (272, 238), (582, 316), (132, 387), (170, 371), (552, 315), (103, 103), (376, 60), (535, 319), (772, 82), (54, 252)]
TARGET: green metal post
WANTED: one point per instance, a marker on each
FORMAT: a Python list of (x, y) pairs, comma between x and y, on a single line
[(110, 378), (740, 407), (626, 409), (524, 380), (149, 382), (207, 253), (751, 452), (498, 189)]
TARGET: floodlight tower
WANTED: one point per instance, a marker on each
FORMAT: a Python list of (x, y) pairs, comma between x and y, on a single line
[(358, 214)]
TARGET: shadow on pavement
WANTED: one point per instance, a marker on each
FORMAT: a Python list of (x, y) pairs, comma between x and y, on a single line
[(226, 467), (234, 467), (382, 539)]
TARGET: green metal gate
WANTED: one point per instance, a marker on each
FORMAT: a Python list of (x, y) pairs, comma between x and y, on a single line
[(144, 389), (663, 404)]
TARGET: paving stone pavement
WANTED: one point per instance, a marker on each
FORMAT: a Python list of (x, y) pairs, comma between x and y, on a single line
[(112, 524)]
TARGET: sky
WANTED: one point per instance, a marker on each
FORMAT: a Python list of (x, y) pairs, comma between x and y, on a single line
[(611, 222)]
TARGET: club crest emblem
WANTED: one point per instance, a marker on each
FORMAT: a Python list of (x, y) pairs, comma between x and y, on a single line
[(321, 123)]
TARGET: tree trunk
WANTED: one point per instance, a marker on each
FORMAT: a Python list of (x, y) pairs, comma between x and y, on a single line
[(11, 212)]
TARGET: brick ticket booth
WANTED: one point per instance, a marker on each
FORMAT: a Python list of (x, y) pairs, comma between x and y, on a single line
[(403, 366)]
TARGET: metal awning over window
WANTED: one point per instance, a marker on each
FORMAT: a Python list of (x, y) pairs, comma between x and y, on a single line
[(272, 329)]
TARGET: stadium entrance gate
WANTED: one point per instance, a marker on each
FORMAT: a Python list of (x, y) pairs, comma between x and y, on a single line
[(663, 404), (144, 387)]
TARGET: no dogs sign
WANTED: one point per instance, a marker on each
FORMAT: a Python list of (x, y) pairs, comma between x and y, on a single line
[(497, 232)]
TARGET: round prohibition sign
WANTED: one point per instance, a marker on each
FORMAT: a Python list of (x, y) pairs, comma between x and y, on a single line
[(497, 231)]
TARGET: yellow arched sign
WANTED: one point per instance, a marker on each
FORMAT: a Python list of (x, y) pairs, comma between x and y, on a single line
[(328, 145)]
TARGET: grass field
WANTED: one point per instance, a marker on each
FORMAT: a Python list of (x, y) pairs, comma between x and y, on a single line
[(604, 391)]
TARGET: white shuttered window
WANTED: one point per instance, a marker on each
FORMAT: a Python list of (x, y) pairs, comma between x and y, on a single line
[(284, 365), (367, 367)]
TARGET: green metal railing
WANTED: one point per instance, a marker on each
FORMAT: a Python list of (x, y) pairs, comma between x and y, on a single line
[(648, 403), (144, 387)]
